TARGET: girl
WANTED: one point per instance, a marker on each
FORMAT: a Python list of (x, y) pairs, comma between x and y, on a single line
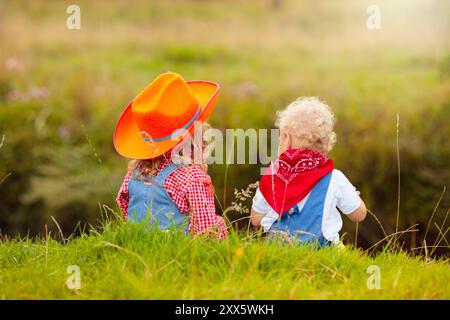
[(169, 189)]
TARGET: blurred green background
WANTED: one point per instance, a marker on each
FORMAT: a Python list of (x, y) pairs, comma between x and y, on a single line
[(62, 91)]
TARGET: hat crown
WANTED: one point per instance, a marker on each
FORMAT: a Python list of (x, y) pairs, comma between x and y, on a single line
[(166, 105)]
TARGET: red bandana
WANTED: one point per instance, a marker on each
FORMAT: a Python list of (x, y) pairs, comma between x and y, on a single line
[(292, 177)]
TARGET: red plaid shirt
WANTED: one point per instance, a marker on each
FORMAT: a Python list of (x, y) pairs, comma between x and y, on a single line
[(192, 191)]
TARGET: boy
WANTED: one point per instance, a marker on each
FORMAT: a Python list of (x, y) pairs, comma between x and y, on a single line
[(299, 194)]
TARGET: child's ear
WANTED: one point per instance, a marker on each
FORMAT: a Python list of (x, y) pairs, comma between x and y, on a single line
[(287, 139)]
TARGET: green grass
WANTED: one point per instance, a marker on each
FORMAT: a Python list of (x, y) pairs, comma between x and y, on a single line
[(125, 261), (263, 59)]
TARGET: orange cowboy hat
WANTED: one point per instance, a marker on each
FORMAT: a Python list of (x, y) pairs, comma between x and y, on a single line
[(162, 115)]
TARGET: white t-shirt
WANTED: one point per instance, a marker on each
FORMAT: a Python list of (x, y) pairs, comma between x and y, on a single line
[(341, 194)]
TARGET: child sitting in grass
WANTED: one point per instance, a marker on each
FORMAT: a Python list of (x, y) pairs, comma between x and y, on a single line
[(164, 185), (299, 194)]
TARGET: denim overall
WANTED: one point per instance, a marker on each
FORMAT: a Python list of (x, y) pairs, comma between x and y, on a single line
[(149, 199), (305, 225)]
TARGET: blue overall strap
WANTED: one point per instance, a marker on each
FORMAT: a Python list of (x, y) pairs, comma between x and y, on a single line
[(161, 177), (149, 200), (311, 215), (306, 225)]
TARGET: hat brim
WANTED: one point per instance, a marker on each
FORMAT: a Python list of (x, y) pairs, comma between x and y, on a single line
[(130, 144)]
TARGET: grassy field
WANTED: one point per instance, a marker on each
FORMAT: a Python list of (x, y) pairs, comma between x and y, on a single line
[(62, 91), (126, 262)]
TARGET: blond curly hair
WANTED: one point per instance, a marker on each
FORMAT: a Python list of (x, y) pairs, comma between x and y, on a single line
[(309, 122)]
